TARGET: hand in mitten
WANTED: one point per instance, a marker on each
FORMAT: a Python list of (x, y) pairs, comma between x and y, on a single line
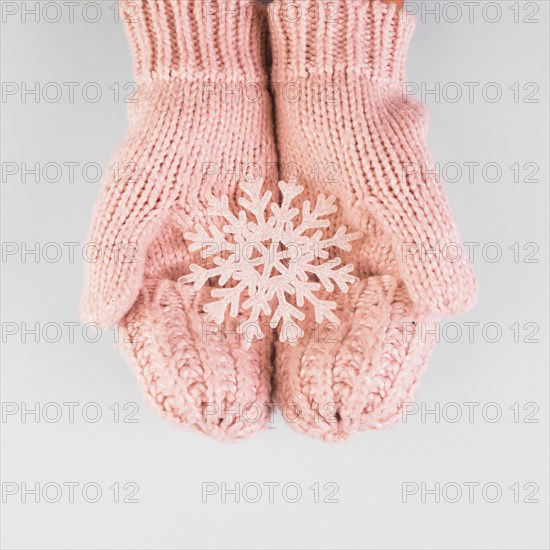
[(202, 118), (342, 119)]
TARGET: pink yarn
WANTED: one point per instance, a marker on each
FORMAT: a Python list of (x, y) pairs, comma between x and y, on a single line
[(188, 122), (348, 66), (345, 67)]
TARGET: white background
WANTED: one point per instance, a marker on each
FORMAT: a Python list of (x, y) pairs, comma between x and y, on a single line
[(170, 465)]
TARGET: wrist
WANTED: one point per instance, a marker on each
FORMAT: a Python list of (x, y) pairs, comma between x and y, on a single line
[(191, 40), (339, 36)]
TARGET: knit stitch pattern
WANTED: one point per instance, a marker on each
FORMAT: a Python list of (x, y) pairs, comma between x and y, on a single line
[(192, 131), (344, 127)]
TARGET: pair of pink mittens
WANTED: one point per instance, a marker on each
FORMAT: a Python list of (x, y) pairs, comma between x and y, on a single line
[(201, 124)]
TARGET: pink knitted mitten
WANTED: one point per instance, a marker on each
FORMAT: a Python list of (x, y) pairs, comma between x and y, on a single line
[(201, 121), (344, 126)]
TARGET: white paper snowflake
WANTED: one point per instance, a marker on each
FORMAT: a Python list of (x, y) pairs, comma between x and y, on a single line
[(268, 259)]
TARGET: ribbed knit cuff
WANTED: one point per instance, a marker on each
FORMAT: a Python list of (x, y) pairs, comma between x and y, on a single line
[(193, 39), (328, 36)]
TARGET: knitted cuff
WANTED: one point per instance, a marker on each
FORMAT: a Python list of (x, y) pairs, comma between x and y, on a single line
[(327, 36), (195, 39)]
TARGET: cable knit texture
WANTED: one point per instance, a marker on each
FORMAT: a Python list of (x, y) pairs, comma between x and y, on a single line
[(200, 120), (344, 127)]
